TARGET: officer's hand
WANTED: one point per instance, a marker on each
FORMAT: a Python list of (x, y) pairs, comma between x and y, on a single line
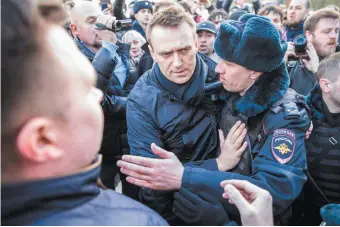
[(232, 147), (313, 63), (157, 174), (290, 51), (106, 34), (201, 209), (254, 204)]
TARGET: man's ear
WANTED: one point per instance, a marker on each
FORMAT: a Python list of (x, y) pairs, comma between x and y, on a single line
[(152, 53), (74, 29), (325, 85), (255, 75), (309, 36), (36, 141)]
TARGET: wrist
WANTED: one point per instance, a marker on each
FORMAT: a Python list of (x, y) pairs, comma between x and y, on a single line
[(179, 179), (220, 165)]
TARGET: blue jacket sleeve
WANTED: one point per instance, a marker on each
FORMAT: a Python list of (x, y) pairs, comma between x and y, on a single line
[(283, 181), (142, 130)]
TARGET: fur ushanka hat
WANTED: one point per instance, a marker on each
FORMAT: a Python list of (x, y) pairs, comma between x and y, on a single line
[(252, 41)]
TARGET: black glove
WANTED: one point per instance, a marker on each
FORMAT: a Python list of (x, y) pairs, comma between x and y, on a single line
[(201, 209)]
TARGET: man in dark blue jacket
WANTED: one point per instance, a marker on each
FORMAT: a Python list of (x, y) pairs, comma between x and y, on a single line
[(52, 130), (323, 145), (143, 14), (110, 59), (256, 82), (297, 13), (322, 31), (168, 104)]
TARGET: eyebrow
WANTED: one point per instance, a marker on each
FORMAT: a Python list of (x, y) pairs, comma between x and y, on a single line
[(179, 49)]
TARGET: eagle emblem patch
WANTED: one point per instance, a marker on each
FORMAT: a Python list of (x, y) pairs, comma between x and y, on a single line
[(283, 145)]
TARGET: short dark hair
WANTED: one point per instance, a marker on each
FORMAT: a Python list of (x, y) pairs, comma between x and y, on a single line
[(329, 68), (171, 17), (266, 10), (218, 12), (313, 20), (21, 51)]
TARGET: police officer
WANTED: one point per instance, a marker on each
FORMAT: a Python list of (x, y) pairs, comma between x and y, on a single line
[(323, 146), (257, 94)]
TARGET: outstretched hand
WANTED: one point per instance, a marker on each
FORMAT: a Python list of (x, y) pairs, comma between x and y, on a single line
[(157, 174)]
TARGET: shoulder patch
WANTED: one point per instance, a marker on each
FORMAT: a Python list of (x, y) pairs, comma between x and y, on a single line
[(283, 145)]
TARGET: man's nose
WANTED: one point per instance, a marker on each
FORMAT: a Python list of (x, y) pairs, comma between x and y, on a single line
[(177, 60)]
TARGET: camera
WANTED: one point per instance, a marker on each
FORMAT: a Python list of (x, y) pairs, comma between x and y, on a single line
[(118, 25), (300, 44)]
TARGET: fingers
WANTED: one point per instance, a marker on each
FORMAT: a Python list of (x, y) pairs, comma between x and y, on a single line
[(237, 133), (240, 151), (236, 197), (130, 167), (221, 136), (233, 129), (241, 184), (194, 199), (161, 152), (183, 201), (141, 183), (141, 161), (136, 174), (240, 137)]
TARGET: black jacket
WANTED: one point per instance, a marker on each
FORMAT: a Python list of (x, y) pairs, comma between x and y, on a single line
[(301, 79), (114, 142), (179, 118)]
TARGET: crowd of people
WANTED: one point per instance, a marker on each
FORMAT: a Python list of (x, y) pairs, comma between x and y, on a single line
[(203, 113)]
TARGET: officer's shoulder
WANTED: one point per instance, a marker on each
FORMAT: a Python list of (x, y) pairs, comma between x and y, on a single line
[(291, 109)]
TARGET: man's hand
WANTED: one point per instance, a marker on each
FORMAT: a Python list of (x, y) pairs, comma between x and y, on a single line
[(202, 209), (313, 63), (254, 204), (232, 147), (105, 34), (290, 51), (157, 174)]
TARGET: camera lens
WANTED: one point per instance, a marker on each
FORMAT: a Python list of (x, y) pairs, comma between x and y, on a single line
[(300, 43)]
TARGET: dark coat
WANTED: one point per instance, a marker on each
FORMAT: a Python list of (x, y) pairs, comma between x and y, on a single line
[(292, 32), (323, 155), (301, 79), (284, 123), (136, 26), (114, 142), (71, 200), (183, 121)]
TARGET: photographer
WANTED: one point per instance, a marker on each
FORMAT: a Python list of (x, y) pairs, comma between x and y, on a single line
[(321, 31), (103, 49)]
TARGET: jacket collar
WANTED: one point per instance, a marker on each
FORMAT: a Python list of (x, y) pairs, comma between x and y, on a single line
[(85, 49), (137, 27), (267, 90), (24, 203)]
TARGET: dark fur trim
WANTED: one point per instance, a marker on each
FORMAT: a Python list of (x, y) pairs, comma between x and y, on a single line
[(269, 88)]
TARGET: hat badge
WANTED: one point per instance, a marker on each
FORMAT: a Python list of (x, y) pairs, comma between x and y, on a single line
[(146, 3)]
